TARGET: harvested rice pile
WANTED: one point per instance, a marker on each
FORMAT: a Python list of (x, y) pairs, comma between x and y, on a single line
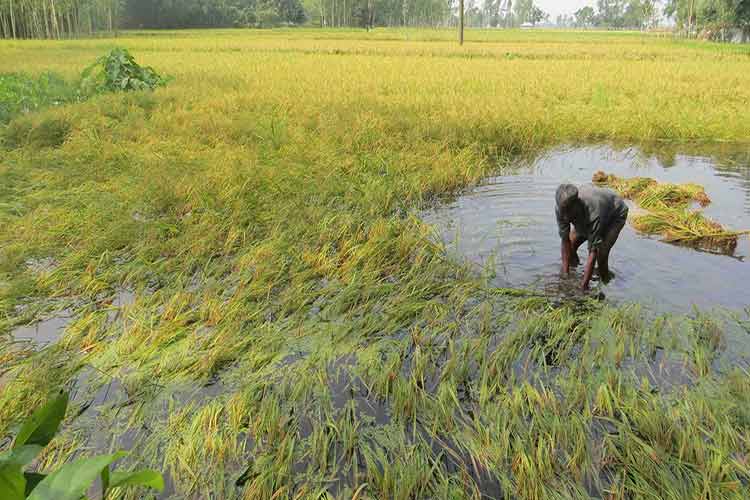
[(668, 212)]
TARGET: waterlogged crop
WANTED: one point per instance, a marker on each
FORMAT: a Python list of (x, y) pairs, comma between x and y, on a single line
[(253, 307)]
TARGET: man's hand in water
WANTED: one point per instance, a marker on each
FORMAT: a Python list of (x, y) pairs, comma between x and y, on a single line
[(588, 271)]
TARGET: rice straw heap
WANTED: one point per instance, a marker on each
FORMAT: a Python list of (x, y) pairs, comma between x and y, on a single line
[(668, 212)]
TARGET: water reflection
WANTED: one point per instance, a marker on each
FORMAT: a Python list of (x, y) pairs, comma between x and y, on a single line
[(508, 224)]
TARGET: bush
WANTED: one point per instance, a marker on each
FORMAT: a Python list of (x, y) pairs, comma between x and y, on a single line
[(118, 71)]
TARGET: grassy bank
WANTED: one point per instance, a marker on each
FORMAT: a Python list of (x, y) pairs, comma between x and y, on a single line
[(256, 311)]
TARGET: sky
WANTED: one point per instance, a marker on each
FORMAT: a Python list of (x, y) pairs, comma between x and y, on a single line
[(555, 7)]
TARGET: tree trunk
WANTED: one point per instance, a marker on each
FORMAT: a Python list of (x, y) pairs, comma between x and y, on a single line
[(53, 16), (12, 21), (460, 22)]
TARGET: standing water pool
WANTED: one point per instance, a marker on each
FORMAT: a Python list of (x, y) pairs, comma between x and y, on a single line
[(508, 225)]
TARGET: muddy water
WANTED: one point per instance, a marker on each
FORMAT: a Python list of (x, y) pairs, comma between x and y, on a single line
[(507, 225)]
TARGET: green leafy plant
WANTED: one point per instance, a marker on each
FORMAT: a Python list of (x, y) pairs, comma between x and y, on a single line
[(72, 480), (21, 93), (118, 71)]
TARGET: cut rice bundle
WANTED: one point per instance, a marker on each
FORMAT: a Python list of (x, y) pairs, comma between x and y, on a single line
[(666, 212)]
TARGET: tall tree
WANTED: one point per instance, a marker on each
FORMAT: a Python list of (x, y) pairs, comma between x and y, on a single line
[(585, 17)]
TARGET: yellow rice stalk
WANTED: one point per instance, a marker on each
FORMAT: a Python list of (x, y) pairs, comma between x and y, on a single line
[(667, 212)]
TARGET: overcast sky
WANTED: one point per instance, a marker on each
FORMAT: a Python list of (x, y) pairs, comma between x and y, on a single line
[(555, 7)]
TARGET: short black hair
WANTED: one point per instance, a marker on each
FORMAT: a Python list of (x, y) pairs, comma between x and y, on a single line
[(565, 196)]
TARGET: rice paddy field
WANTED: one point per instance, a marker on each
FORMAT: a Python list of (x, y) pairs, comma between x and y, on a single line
[(231, 276)]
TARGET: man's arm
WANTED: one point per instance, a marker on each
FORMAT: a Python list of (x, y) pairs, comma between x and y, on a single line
[(588, 271), (566, 247)]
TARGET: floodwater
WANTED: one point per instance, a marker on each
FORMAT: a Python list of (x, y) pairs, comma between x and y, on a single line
[(48, 331), (507, 227), (44, 332)]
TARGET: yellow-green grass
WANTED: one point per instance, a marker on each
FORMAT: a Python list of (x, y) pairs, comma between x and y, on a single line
[(262, 207)]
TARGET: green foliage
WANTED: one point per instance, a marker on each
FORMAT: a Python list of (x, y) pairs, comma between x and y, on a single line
[(43, 424), (199, 14), (118, 71), (72, 480), (21, 93)]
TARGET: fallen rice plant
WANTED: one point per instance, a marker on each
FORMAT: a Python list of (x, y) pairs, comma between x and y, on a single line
[(668, 212)]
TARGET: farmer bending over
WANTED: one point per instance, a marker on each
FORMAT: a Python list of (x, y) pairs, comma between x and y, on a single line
[(598, 215)]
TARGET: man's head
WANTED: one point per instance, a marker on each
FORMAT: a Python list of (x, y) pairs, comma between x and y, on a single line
[(566, 198)]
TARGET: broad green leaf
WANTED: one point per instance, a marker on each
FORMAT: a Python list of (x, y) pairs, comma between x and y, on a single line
[(71, 481), (105, 481), (12, 482), (32, 479), (21, 456), (146, 477), (42, 425)]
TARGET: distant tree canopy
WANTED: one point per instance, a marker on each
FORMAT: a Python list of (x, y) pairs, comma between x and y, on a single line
[(56, 18), (209, 13), (66, 18), (63, 18), (618, 14), (701, 14), (644, 13)]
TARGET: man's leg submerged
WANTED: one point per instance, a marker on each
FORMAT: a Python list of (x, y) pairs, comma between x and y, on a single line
[(609, 241)]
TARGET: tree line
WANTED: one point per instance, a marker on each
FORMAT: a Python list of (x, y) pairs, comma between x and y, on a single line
[(699, 15), (56, 18), (641, 14), (68, 18)]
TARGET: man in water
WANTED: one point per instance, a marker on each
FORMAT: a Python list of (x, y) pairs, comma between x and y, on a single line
[(597, 215)]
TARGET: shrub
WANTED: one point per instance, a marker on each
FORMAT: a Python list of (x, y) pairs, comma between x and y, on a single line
[(118, 71)]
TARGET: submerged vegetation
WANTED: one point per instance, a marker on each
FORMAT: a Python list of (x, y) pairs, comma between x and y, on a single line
[(253, 308), (668, 212)]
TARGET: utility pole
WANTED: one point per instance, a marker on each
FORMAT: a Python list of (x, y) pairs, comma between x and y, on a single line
[(460, 22)]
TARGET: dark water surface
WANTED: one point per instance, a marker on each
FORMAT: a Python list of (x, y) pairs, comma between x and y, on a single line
[(508, 225)]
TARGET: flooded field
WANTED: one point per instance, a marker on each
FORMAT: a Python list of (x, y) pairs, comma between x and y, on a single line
[(508, 224), (223, 276)]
